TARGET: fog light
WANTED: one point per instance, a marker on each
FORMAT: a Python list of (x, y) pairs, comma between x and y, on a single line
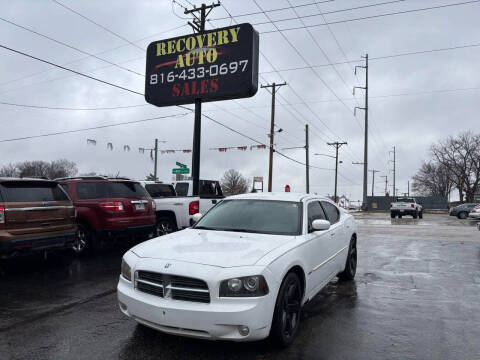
[(122, 306), (243, 330)]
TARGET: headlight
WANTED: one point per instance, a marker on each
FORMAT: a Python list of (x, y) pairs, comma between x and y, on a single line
[(126, 270), (248, 286)]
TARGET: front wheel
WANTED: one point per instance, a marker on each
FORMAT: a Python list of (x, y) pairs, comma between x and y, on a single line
[(351, 265), (288, 307), (420, 215)]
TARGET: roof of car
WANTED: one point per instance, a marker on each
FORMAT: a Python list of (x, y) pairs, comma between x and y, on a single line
[(23, 179), (279, 196)]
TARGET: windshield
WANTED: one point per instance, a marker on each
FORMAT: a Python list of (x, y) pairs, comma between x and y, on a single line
[(255, 216), (406, 200)]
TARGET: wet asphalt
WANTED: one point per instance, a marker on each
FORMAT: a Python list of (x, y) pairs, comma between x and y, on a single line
[(416, 296)]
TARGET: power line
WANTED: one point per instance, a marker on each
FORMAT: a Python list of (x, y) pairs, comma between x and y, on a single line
[(101, 52), (375, 16), (97, 24), (71, 70), (70, 46), (92, 128), (379, 57), (70, 108), (329, 12), (272, 10)]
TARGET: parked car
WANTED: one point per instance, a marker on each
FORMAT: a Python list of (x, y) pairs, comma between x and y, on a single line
[(243, 271), (173, 212), (406, 206), (35, 216), (462, 211), (210, 192), (110, 208), (475, 213)]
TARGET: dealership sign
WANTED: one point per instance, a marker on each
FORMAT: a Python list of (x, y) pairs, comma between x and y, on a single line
[(213, 65)]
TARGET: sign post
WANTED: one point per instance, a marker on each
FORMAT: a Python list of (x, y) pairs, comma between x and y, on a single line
[(209, 65)]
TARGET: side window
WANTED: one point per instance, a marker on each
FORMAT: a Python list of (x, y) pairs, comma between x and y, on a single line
[(64, 187), (315, 212), (181, 189), (333, 215)]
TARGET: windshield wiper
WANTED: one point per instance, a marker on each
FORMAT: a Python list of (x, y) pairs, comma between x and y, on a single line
[(205, 228), (240, 230)]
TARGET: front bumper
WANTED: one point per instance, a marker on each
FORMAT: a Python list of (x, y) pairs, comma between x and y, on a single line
[(220, 319)]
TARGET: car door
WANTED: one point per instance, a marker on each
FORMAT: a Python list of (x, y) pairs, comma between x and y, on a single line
[(320, 247), (337, 236)]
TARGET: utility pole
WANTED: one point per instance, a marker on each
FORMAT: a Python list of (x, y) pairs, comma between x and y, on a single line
[(274, 87), (153, 156), (408, 189), (373, 180), (365, 147), (337, 146), (386, 183), (307, 167), (198, 25), (394, 174)]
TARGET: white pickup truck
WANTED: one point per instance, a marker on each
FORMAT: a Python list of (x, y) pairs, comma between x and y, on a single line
[(406, 206), (173, 212), (210, 192)]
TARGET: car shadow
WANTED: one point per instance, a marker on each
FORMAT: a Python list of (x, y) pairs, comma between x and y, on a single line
[(148, 343)]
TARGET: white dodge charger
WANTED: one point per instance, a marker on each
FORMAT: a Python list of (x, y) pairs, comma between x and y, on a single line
[(243, 271)]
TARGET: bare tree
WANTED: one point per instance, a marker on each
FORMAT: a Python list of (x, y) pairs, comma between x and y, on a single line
[(233, 182), (461, 158), (9, 170), (37, 168), (432, 179)]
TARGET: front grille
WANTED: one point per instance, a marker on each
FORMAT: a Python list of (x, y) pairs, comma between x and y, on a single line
[(172, 286)]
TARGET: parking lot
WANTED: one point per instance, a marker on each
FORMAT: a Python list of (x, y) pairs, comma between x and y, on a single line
[(416, 296)]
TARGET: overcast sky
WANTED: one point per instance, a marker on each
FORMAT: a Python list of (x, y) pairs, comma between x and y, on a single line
[(411, 122)]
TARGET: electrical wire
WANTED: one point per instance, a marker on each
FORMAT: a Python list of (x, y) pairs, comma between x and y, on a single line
[(328, 12), (97, 24), (375, 16), (92, 128), (70, 108), (69, 46)]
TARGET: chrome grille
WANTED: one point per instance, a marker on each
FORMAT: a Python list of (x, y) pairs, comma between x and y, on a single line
[(172, 286)]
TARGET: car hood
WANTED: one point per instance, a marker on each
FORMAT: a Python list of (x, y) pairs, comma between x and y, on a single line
[(216, 248)]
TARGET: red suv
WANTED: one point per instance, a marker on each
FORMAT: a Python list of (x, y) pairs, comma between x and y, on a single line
[(109, 208)]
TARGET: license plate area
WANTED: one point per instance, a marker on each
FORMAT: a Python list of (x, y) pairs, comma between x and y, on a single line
[(139, 206)]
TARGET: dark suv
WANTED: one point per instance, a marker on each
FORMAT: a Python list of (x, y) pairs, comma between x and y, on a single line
[(35, 216), (110, 208)]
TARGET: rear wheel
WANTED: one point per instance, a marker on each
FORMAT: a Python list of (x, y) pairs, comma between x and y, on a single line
[(400, 216), (462, 215), (286, 317), (392, 215), (420, 215), (165, 225), (83, 240), (351, 265), (415, 214)]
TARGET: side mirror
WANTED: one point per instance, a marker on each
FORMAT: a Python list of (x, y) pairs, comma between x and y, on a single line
[(320, 225), (196, 217)]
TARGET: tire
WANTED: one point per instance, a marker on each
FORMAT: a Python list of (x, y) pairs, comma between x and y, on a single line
[(392, 215), (462, 215), (415, 215), (83, 241), (348, 274), (166, 225), (288, 308), (400, 216), (420, 215)]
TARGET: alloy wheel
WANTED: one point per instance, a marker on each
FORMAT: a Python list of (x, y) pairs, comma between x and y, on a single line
[(80, 241), (291, 309)]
